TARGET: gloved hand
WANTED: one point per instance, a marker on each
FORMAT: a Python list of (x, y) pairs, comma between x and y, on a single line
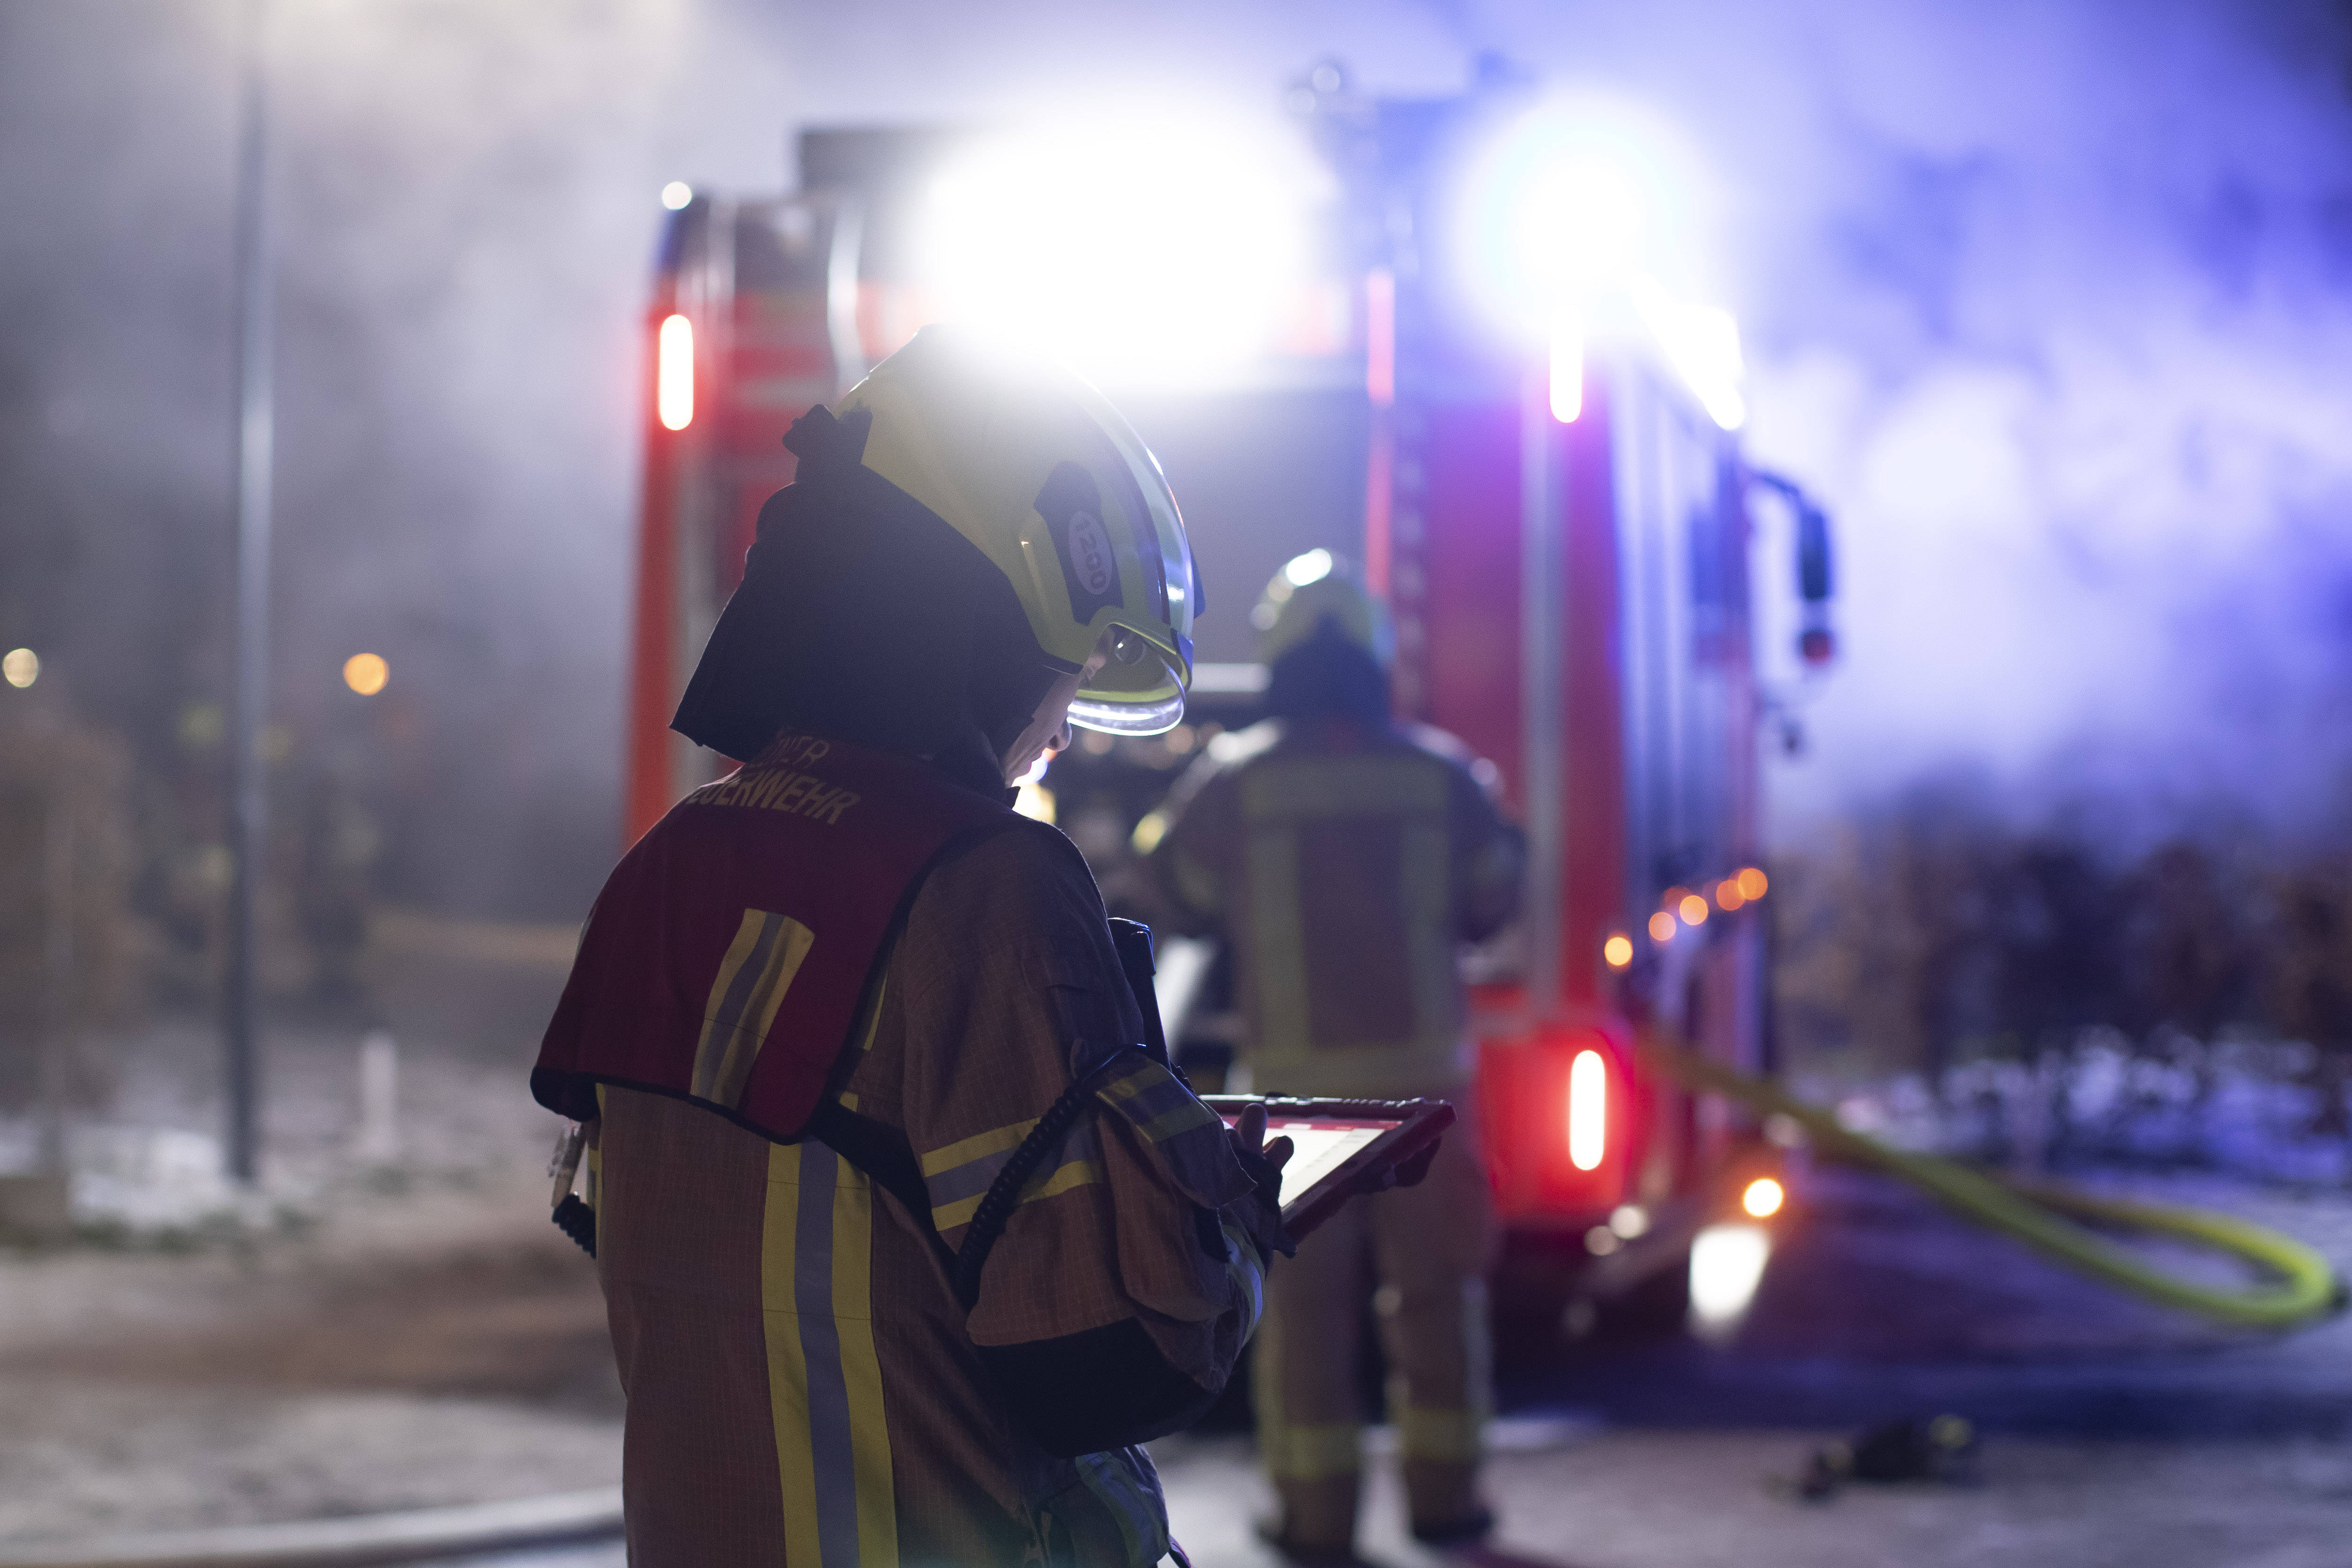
[(1410, 1172), (1264, 1163)]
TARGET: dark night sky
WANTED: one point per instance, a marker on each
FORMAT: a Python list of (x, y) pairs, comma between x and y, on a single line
[(2053, 302)]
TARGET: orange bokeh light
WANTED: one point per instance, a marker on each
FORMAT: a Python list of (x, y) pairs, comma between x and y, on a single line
[(366, 673)]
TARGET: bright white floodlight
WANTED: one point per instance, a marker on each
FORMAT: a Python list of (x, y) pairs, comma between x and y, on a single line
[(1580, 224), (1727, 1264), (1152, 255)]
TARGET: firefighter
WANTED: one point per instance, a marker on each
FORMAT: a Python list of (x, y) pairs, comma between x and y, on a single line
[(823, 1012), (1347, 857)]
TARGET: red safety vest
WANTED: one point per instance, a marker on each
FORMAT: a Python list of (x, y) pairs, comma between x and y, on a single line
[(731, 950)]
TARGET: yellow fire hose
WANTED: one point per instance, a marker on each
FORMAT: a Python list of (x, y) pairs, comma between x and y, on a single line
[(2305, 1286)]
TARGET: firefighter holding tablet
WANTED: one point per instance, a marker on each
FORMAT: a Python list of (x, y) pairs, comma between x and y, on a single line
[(1347, 857), (906, 1244)]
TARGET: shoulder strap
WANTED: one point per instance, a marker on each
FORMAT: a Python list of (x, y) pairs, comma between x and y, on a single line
[(1003, 1194), (882, 1151)]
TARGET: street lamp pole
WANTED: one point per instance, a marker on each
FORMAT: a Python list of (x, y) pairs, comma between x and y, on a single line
[(255, 436)]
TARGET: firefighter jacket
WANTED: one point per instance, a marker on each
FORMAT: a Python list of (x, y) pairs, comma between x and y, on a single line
[(803, 1384), (1347, 864)]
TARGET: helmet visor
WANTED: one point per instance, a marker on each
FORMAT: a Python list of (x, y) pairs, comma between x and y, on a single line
[(1145, 696)]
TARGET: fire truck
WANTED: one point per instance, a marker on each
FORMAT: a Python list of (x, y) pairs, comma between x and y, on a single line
[(1554, 507)]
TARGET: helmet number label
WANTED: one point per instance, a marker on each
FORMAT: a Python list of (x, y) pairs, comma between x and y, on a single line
[(1071, 505), (1090, 552)]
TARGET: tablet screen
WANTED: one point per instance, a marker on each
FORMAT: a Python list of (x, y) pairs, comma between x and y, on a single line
[(1321, 1146)]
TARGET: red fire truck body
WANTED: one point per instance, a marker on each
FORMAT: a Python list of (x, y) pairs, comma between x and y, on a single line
[(1572, 598)]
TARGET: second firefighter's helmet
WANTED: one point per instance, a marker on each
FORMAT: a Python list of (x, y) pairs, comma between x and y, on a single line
[(1311, 589), (1041, 473)]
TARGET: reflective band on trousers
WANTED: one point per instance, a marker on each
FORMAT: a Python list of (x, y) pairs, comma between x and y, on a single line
[(1451, 1436), (824, 1383), (1310, 1453)]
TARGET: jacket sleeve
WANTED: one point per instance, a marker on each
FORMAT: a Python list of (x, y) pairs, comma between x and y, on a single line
[(1114, 1305)]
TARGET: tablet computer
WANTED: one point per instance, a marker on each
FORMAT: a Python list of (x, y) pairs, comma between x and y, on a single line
[(1340, 1147)]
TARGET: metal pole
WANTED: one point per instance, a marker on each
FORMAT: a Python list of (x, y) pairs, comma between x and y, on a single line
[(256, 419), (1541, 607), (59, 1042)]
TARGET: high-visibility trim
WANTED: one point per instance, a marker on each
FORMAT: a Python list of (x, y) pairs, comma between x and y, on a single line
[(861, 1368), (787, 1364), (1427, 876), (1292, 788), (1069, 1175), (958, 1175), (1283, 1019), (1450, 1436), (759, 968), (1160, 1107), (1310, 1453), (979, 1145), (1292, 1451), (824, 1381), (1286, 1053)]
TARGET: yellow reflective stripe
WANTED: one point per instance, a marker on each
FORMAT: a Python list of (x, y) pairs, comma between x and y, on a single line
[(1280, 941), (1073, 1174), (1299, 787), (708, 1051), (1136, 1090), (759, 966), (787, 1370), (1291, 1451), (979, 1145), (1076, 1173), (1452, 1436), (1311, 1453), (824, 1379), (1431, 965), (861, 1368)]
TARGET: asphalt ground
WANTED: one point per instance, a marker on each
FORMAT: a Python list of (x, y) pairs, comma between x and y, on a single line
[(2111, 1432), (430, 1341)]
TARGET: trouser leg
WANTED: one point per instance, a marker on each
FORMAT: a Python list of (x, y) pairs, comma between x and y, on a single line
[(1309, 1422), (1433, 1245)]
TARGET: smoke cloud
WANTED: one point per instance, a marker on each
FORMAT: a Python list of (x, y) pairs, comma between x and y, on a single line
[(2053, 304)]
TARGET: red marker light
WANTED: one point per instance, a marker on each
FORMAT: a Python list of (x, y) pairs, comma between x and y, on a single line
[(1587, 1111), (674, 374)]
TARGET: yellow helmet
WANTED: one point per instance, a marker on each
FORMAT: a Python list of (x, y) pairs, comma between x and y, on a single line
[(1038, 471), (1316, 587)]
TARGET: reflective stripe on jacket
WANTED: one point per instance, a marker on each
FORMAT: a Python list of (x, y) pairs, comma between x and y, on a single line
[(1348, 866), (803, 1387)]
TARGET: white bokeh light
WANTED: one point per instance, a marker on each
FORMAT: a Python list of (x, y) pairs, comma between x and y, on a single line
[(1165, 254)]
